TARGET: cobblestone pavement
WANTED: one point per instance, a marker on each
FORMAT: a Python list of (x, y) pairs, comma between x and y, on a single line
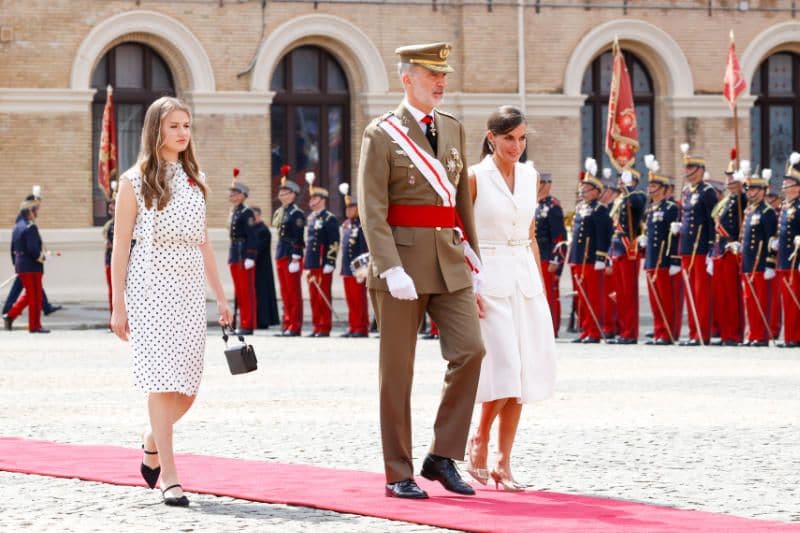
[(714, 429)]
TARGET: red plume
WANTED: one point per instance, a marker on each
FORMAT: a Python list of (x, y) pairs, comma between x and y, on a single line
[(733, 154), (581, 175), (235, 172), (285, 169)]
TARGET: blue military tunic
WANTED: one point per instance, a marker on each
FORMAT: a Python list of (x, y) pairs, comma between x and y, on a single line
[(789, 229), (353, 243), (760, 225), (627, 215), (728, 221), (243, 235), (661, 244), (291, 230), (26, 247), (697, 224), (592, 227), (323, 240), (550, 229)]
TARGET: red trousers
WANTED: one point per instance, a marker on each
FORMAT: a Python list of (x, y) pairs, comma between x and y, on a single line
[(756, 302), (700, 285), (588, 311), (790, 298), (678, 296), (625, 272), (291, 295), (660, 290), (31, 298), (774, 314), (108, 284), (727, 293), (244, 285), (608, 304), (356, 295), (550, 282), (320, 310)]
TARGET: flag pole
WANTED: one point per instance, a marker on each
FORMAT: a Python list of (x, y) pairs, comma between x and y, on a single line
[(735, 123)]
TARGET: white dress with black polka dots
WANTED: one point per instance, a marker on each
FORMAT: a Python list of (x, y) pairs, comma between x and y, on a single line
[(165, 293)]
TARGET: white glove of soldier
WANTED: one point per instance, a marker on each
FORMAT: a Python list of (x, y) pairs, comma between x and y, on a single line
[(674, 269), (769, 273), (249, 263), (401, 286), (327, 269), (797, 240), (733, 247), (599, 265), (675, 228), (709, 266), (642, 240), (294, 266), (477, 282), (773, 244)]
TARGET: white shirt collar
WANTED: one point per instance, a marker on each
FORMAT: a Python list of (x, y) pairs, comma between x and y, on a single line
[(416, 113)]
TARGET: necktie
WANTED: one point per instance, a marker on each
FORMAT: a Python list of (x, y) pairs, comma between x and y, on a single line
[(430, 131)]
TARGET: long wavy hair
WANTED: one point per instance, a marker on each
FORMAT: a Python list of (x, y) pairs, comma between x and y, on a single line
[(155, 183), (502, 120)]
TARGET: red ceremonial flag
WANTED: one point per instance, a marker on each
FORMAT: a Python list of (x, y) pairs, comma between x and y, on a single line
[(107, 158), (622, 135), (733, 82)]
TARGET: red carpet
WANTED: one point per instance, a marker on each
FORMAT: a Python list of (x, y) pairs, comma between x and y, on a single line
[(362, 493)]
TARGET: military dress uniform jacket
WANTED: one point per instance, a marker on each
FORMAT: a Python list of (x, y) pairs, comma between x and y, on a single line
[(627, 216), (108, 233), (760, 225), (353, 243), (291, 232), (242, 234), (662, 246), (697, 224), (26, 247), (592, 227), (727, 216), (322, 240), (432, 257), (550, 229), (788, 230)]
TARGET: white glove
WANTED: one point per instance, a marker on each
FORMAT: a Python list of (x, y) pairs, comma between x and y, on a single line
[(674, 269), (769, 273), (797, 240), (710, 266), (733, 247), (294, 267), (642, 241), (675, 228), (477, 282), (773, 244), (327, 269), (599, 265), (401, 286), (248, 264)]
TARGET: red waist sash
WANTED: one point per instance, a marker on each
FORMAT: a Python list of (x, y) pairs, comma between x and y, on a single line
[(421, 216)]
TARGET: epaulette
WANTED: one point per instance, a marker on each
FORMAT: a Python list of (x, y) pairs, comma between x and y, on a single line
[(768, 207), (444, 114)]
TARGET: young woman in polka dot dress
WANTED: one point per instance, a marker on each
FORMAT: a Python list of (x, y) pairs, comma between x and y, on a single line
[(159, 283)]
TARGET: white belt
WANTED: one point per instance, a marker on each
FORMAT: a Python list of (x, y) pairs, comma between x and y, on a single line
[(509, 242)]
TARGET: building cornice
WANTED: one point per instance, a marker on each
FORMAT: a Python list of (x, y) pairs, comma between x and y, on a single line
[(231, 102), (706, 106), (32, 100)]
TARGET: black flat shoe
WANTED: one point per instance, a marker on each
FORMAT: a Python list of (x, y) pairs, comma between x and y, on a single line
[(53, 309), (790, 344), (289, 333), (243, 331), (758, 344), (662, 342), (150, 475), (346, 334), (590, 340), (443, 470), (359, 335), (180, 501), (318, 335), (577, 340), (41, 330), (690, 342), (281, 334), (8, 322), (407, 488)]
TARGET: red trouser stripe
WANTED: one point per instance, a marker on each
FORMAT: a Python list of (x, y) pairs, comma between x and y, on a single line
[(421, 216), (700, 285), (550, 281), (757, 329), (790, 286), (626, 283), (320, 312), (727, 291), (591, 286), (356, 295), (608, 303), (108, 284), (31, 298), (663, 283), (291, 295), (774, 307), (244, 285)]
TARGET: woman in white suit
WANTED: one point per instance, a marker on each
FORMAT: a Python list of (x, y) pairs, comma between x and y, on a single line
[(519, 366)]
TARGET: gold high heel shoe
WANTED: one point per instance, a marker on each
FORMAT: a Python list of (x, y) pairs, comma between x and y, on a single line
[(481, 475), (508, 483)]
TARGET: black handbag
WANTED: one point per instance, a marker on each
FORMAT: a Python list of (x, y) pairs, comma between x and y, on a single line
[(241, 357)]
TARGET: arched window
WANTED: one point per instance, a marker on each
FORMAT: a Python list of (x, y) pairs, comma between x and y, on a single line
[(775, 117), (138, 76), (310, 122), (594, 114)]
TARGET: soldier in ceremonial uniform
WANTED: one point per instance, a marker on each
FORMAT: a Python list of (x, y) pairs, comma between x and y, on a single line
[(610, 197), (322, 247), (291, 223), (551, 236), (588, 255), (413, 189), (774, 199), (758, 260), (661, 261), (354, 245), (242, 255), (29, 256), (788, 245), (726, 287), (697, 237), (627, 216)]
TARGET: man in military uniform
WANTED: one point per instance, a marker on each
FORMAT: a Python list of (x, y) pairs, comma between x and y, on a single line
[(726, 285), (697, 235), (551, 237), (788, 245), (354, 245), (413, 189), (758, 260), (609, 197), (291, 222), (29, 256), (321, 250), (774, 199), (588, 255), (661, 261), (627, 215), (242, 256)]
